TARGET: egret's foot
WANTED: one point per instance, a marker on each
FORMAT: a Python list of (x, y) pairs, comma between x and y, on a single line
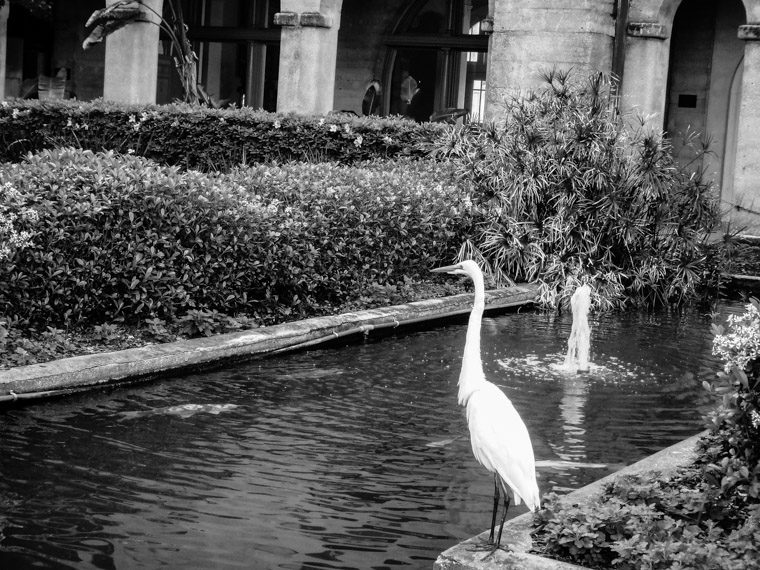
[(488, 546)]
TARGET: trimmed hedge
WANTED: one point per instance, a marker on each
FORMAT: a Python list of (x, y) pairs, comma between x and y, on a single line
[(204, 138), (121, 238)]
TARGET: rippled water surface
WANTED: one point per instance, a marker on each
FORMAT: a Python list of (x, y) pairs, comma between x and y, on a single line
[(355, 456)]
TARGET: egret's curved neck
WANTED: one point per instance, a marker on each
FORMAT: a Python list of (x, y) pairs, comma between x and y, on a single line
[(472, 366)]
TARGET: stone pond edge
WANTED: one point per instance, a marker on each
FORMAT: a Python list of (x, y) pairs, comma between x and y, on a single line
[(97, 370), (517, 531)]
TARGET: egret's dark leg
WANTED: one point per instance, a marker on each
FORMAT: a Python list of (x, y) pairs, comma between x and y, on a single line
[(503, 517), (495, 506)]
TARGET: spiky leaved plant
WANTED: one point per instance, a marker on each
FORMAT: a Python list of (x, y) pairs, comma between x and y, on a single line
[(573, 191)]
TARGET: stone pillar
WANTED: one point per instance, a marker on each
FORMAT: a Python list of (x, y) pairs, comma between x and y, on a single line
[(532, 36), (745, 214), (645, 82), (131, 66), (4, 11), (308, 54)]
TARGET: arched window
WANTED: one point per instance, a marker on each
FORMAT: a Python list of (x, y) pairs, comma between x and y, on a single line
[(437, 60), (238, 49)]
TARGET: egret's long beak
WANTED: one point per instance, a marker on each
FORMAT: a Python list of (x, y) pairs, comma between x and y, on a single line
[(447, 268)]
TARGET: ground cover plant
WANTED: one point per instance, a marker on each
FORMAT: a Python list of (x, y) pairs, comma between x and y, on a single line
[(706, 515), (571, 191), (105, 240)]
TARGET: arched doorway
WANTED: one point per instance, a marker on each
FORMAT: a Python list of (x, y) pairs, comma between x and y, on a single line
[(437, 59), (705, 54)]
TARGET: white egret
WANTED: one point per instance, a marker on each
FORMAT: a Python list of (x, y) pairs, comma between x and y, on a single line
[(499, 438)]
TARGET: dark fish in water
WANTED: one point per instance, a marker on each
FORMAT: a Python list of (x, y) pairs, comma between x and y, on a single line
[(183, 411)]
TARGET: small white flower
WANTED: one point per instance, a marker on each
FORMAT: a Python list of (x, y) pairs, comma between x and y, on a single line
[(277, 124), (333, 128), (321, 122), (358, 141)]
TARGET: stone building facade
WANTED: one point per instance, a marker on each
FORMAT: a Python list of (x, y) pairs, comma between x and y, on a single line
[(686, 65)]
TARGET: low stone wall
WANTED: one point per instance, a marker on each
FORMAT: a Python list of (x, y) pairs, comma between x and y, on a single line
[(82, 372), (516, 533)]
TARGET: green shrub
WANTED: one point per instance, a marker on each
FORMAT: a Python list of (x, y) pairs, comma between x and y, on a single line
[(571, 191), (203, 138), (732, 452), (120, 238), (650, 523)]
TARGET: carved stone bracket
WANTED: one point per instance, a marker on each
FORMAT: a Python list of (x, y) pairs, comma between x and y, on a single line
[(749, 32), (307, 19), (647, 30)]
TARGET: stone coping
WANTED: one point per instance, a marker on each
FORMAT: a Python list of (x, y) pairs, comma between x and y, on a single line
[(517, 530), (81, 372)]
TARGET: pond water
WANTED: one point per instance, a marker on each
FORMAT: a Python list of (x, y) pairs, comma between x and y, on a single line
[(356, 456)]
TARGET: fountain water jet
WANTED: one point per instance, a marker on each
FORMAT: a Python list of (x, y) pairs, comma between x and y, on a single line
[(579, 343)]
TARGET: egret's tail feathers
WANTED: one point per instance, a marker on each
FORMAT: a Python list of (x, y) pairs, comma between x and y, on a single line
[(530, 497), (532, 500)]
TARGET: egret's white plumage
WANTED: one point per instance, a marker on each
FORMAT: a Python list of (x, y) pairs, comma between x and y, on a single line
[(499, 438)]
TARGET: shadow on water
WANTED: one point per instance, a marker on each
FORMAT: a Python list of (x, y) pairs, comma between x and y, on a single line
[(352, 457)]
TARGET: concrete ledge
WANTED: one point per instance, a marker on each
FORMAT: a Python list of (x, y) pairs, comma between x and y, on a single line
[(744, 282), (156, 360), (517, 531)]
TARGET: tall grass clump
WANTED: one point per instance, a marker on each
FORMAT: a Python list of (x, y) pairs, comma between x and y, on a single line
[(573, 191)]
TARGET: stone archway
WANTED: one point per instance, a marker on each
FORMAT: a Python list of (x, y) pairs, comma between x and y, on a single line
[(650, 86), (704, 54)]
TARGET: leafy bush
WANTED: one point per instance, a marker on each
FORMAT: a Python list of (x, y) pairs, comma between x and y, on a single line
[(120, 238), (651, 523), (203, 138), (732, 453), (571, 192)]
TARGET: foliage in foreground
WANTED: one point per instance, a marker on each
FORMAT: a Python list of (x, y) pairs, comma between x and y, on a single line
[(706, 515), (572, 191), (655, 524), (120, 239)]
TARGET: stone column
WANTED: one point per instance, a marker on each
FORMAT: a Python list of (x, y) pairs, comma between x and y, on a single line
[(745, 215), (4, 11), (532, 36), (308, 54), (131, 66), (645, 82)]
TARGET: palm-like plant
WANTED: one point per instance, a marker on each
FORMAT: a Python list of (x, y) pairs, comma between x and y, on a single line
[(125, 12), (571, 191)]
